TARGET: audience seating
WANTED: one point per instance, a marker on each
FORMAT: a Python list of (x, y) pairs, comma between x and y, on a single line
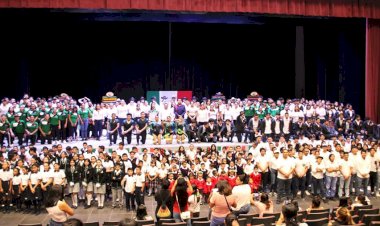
[(248, 217), (242, 221), (276, 215), (201, 223), (175, 224), (357, 208), (165, 220), (91, 224), (198, 219), (30, 225), (368, 218), (361, 212), (375, 223), (109, 223), (144, 222), (267, 221), (318, 222), (315, 216), (320, 211)]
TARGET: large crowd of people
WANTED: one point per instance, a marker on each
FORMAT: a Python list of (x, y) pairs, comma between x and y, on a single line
[(298, 148)]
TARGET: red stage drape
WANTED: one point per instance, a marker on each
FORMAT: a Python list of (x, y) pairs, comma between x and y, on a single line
[(372, 105), (335, 8)]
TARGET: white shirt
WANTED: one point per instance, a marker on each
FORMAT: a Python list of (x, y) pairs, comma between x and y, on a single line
[(122, 111), (45, 176), (16, 180), (314, 167), (274, 163), (301, 164), (98, 115), (152, 171), (58, 177), (35, 177), (203, 115), (25, 179), (363, 167), (6, 175), (242, 194), (346, 167), (140, 180), (263, 162), (268, 126), (130, 183), (285, 165), (334, 165), (248, 169)]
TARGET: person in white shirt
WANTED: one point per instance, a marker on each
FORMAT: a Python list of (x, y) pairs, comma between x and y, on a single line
[(242, 192), (273, 167), (301, 168), (98, 117), (363, 168), (373, 157), (140, 185), (262, 163), (6, 176), (332, 169), (129, 185), (284, 176), (345, 168), (317, 171)]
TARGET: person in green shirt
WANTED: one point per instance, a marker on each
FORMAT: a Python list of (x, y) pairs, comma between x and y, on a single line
[(23, 113), (5, 131), (32, 112), (18, 127), (84, 114), (45, 129), (31, 130), (273, 110), (73, 123), (10, 115), (62, 116), (249, 110), (55, 126)]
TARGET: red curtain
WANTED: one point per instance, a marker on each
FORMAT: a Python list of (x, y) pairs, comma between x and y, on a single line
[(372, 104), (336, 8)]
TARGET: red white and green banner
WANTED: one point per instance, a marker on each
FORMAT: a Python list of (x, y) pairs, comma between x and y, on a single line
[(167, 96)]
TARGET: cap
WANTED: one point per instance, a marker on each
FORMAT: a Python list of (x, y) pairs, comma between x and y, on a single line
[(18, 114)]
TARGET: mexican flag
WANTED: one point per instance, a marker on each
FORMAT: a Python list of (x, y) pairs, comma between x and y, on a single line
[(167, 96)]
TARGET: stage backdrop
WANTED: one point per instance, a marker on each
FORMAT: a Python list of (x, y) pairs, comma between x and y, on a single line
[(166, 96)]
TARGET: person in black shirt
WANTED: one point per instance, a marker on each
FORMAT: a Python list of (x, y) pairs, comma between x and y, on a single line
[(141, 125), (127, 128), (113, 126)]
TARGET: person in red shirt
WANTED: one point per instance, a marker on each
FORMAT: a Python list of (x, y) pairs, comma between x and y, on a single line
[(192, 179), (171, 180), (232, 178), (223, 176), (200, 183), (208, 188), (214, 178), (255, 180)]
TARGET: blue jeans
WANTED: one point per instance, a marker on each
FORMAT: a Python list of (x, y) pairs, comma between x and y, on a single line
[(344, 184), (83, 128), (54, 223), (331, 186), (362, 182), (217, 221), (318, 187), (273, 179), (98, 128)]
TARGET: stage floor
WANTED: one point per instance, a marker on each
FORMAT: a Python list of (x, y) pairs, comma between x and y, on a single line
[(108, 214)]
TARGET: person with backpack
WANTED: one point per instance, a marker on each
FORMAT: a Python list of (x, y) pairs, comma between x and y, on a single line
[(164, 207)]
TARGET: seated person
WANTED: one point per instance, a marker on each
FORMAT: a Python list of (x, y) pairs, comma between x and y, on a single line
[(288, 216), (141, 213), (343, 217), (315, 204), (361, 200), (264, 205)]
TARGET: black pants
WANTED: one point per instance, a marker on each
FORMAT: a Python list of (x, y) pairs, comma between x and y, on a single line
[(318, 187), (20, 137), (62, 131), (128, 136), (143, 137), (192, 136), (283, 188), (130, 201), (113, 137), (239, 135), (98, 128), (372, 180), (54, 133), (44, 138), (32, 139), (73, 130), (139, 195), (298, 184), (265, 181)]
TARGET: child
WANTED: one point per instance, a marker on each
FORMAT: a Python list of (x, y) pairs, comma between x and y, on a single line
[(24, 188), (208, 188), (232, 178), (192, 179), (141, 213), (129, 183), (6, 176), (223, 175), (215, 177), (73, 177), (16, 182), (35, 189), (195, 200), (255, 179), (171, 181), (200, 183), (117, 190)]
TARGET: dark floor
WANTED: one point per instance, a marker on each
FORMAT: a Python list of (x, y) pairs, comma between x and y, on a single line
[(108, 214)]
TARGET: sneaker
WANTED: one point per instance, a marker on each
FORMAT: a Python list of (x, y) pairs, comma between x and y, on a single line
[(307, 192), (377, 194)]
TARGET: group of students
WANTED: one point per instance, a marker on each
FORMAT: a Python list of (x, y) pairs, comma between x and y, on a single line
[(64, 118)]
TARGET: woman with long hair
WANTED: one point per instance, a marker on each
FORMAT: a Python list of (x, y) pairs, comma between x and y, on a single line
[(288, 216), (265, 205), (343, 217), (180, 192), (57, 209), (195, 202), (163, 198), (221, 203)]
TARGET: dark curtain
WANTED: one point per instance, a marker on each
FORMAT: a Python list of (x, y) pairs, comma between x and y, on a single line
[(335, 8), (372, 82)]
